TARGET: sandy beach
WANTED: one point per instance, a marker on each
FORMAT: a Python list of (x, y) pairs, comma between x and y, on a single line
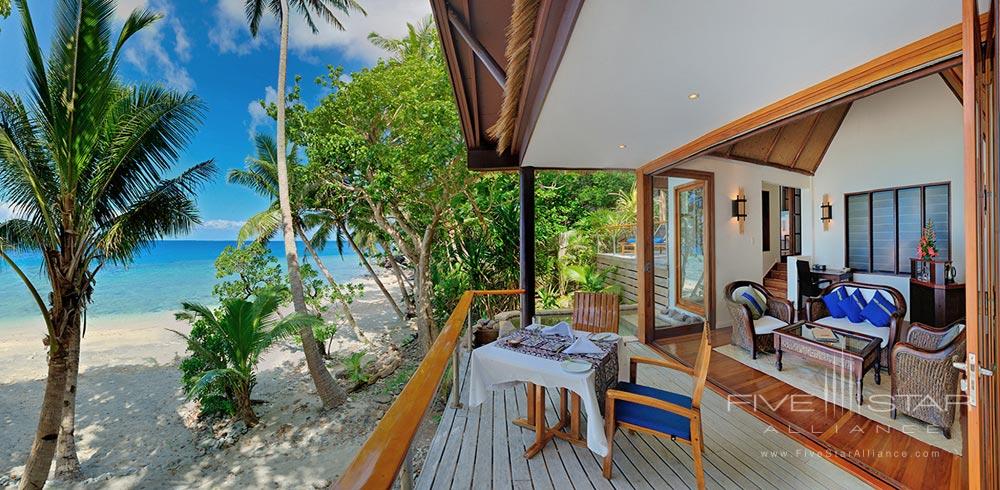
[(136, 430)]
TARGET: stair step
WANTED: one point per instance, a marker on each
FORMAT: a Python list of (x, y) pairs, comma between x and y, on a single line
[(776, 283), (779, 293)]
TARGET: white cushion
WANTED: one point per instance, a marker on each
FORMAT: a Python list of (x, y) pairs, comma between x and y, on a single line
[(864, 328), (948, 337), (767, 324)]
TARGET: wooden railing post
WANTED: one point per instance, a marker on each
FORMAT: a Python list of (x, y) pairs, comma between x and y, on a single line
[(385, 456), (468, 331), (455, 386)]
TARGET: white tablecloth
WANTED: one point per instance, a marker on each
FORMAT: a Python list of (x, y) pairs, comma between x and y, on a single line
[(495, 368)]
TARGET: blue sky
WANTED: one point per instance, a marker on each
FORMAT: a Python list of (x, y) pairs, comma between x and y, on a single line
[(204, 46)]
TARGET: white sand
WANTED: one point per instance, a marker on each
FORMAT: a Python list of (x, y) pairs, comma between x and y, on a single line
[(134, 428)]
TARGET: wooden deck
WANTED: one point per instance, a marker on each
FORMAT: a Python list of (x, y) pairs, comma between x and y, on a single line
[(877, 452), (480, 448)]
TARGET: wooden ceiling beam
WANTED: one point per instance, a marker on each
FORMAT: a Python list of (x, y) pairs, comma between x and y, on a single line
[(805, 141), (774, 142), (484, 56)]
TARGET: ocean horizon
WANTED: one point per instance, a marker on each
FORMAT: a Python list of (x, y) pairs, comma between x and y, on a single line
[(164, 275)]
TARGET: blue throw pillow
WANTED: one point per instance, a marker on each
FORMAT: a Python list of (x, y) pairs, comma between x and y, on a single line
[(853, 305), (833, 300), (879, 310)]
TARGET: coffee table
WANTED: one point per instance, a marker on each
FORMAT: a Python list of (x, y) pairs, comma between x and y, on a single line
[(852, 353)]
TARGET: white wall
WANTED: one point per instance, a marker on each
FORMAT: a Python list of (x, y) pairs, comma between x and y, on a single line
[(909, 135), (739, 256), (773, 255)]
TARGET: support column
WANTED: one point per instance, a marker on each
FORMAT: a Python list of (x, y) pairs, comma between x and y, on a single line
[(644, 256), (527, 243)]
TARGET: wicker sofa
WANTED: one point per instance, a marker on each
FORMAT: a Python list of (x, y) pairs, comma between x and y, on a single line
[(816, 312), (925, 385), (755, 335)]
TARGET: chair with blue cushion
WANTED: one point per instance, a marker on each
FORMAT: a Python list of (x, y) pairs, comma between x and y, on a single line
[(658, 412)]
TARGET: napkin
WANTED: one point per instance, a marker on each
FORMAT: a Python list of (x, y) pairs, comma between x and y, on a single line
[(561, 328), (583, 345)]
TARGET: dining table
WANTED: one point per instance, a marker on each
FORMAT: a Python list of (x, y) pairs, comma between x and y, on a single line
[(539, 362)]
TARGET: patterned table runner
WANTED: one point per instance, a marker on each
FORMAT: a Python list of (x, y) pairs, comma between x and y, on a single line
[(552, 346)]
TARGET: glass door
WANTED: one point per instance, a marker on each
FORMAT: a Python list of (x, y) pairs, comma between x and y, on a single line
[(689, 246)]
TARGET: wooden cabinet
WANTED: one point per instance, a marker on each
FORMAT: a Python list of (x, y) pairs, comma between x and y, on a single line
[(936, 305)]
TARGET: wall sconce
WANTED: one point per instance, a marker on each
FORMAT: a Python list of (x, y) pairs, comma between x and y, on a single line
[(740, 209), (826, 214)]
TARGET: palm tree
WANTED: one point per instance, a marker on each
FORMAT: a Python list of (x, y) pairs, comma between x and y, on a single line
[(329, 391), (261, 175), (420, 40), (245, 329), (82, 164)]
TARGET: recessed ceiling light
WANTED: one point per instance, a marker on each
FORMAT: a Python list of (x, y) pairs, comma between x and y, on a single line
[(693, 96), (621, 146)]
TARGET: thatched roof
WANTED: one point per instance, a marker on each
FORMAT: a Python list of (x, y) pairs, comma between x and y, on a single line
[(520, 35)]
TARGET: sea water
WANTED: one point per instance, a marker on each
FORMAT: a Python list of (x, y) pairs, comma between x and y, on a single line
[(164, 275)]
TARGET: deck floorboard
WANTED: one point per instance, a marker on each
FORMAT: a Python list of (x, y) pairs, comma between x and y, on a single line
[(479, 447)]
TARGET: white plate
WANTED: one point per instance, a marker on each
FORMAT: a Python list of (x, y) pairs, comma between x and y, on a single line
[(571, 366), (605, 336)]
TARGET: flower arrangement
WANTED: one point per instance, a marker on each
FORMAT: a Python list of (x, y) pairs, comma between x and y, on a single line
[(927, 248)]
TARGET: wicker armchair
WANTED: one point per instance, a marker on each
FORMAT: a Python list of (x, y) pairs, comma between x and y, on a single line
[(755, 335), (925, 384)]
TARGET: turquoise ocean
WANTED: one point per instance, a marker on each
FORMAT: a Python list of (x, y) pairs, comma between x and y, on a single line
[(168, 272)]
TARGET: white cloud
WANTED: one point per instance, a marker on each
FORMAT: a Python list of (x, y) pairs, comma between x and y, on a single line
[(230, 33), (222, 224), (124, 8), (148, 51), (258, 115), (386, 17)]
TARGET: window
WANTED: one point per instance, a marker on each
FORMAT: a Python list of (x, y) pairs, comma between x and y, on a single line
[(884, 226)]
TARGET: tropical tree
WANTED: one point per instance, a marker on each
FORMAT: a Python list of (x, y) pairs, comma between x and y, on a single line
[(329, 391), (390, 137), (82, 165), (245, 329), (261, 176)]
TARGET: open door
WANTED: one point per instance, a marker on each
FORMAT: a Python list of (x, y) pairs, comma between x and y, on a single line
[(982, 221), (689, 246)]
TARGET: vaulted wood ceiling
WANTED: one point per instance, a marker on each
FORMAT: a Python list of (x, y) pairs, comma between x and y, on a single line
[(798, 146)]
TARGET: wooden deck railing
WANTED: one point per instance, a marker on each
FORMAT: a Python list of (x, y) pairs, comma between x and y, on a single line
[(387, 449)]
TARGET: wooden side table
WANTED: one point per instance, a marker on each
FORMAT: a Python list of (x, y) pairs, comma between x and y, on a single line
[(937, 305)]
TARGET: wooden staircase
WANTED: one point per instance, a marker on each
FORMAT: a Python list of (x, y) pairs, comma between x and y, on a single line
[(776, 280)]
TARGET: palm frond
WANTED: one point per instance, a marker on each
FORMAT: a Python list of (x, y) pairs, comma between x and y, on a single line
[(261, 226), (168, 209)]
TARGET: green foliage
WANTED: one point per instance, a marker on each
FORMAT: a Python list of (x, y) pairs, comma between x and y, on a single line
[(548, 298), (398, 380), (247, 269), (590, 279), (355, 365), (238, 333), (213, 401), (245, 272)]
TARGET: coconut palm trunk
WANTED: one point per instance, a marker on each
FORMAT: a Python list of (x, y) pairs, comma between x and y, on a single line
[(67, 462), (371, 270), (329, 391), (344, 307), (65, 313)]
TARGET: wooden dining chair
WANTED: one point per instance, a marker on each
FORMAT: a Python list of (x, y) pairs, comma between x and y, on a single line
[(596, 312), (658, 412)]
